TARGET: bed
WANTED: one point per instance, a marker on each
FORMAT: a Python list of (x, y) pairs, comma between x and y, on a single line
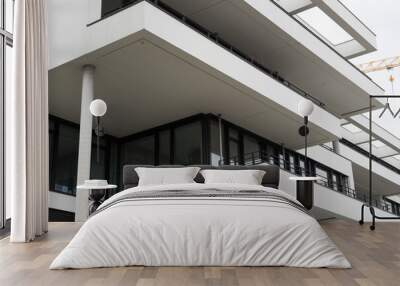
[(198, 224)]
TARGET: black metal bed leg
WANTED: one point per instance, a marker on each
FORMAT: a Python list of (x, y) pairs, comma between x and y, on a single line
[(372, 210), (361, 221)]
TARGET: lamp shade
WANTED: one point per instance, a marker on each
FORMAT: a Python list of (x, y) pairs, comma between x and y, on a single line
[(305, 107), (98, 107)]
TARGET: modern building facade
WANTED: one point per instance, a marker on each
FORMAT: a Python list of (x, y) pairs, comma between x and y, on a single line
[(167, 69)]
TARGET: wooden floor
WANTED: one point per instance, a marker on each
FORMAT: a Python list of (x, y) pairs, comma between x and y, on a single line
[(375, 257)]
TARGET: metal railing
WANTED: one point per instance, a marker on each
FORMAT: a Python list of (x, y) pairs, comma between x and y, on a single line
[(387, 203), (358, 149), (261, 157)]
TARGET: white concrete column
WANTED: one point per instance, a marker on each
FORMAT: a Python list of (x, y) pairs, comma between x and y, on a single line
[(85, 143)]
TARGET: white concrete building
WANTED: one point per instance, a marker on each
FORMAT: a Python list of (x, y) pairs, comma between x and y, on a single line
[(167, 68)]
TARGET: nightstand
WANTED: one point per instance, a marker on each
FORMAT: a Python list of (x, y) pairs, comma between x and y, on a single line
[(305, 190), (97, 191)]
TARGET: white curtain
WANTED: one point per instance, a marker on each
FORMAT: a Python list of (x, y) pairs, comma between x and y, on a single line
[(27, 123)]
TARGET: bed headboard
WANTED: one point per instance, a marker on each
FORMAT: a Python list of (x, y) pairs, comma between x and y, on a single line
[(130, 178)]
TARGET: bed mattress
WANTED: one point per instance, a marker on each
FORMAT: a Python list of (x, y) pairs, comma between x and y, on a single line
[(201, 225)]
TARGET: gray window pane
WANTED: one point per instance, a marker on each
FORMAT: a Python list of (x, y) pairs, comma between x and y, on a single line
[(51, 145), (1, 15), (66, 160), (234, 134), (139, 151), (233, 152), (322, 176), (250, 145), (187, 149), (215, 143), (9, 63), (164, 147), (8, 80), (108, 6), (98, 168), (251, 149), (9, 11)]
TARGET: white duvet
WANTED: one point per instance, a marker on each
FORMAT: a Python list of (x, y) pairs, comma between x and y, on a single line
[(200, 231)]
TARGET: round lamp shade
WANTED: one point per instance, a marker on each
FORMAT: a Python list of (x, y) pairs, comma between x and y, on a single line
[(305, 107), (98, 107)]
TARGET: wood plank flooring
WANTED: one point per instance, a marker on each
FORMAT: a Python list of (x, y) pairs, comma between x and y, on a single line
[(375, 257)]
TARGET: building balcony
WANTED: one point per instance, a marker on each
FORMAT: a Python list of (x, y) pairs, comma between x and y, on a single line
[(141, 62), (265, 34), (333, 23)]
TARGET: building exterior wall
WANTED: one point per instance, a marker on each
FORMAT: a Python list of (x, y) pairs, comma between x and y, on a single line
[(329, 200), (193, 140), (83, 39), (332, 160)]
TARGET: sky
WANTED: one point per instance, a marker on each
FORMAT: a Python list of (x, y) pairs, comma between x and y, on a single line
[(382, 17)]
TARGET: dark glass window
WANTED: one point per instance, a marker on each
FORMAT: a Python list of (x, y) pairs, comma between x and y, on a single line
[(302, 167), (164, 147), (108, 6), (51, 145), (98, 166), (292, 164), (215, 154), (187, 141), (251, 149), (335, 182), (138, 151), (234, 152), (66, 160), (322, 176), (233, 147), (250, 144)]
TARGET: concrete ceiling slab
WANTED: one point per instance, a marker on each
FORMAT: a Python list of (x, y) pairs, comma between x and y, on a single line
[(145, 86), (380, 185)]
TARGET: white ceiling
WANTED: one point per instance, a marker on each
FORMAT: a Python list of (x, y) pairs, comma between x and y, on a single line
[(145, 86)]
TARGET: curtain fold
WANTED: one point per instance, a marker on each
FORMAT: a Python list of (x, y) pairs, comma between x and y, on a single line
[(27, 123)]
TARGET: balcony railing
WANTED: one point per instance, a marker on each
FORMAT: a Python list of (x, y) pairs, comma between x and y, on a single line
[(260, 157)]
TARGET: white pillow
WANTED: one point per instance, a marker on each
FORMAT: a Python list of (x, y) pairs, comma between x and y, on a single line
[(165, 176), (245, 177)]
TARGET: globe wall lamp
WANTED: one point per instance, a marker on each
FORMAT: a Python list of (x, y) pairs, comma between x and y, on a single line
[(305, 108), (98, 108)]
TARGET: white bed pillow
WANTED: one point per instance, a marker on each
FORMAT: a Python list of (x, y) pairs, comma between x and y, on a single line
[(245, 177), (166, 176)]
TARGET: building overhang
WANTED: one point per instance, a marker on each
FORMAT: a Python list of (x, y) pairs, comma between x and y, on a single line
[(281, 42), (267, 34), (384, 180), (152, 69), (385, 145), (381, 185), (363, 40)]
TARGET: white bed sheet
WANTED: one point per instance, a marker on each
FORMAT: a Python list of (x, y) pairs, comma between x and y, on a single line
[(200, 232)]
